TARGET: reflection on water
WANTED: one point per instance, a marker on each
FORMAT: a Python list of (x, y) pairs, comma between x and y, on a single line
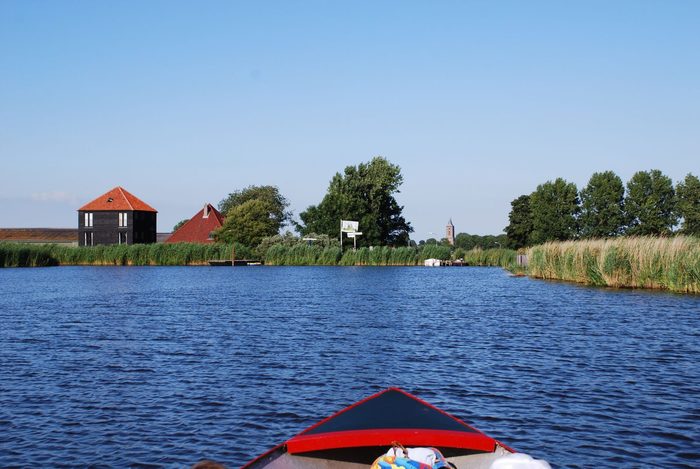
[(165, 366)]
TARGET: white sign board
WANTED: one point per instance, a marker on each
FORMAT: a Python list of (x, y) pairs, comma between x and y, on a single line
[(354, 234), (347, 226)]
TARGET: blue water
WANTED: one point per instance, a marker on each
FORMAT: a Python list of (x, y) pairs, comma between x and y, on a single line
[(161, 367)]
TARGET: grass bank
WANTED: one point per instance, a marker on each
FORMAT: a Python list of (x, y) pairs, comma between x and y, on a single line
[(32, 255), (637, 262)]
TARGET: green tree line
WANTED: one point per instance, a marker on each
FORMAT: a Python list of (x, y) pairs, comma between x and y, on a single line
[(363, 193), (255, 215), (648, 205)]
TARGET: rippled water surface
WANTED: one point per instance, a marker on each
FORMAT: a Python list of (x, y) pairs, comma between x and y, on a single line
[(164, 366)]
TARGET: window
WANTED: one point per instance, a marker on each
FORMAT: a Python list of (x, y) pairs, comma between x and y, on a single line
[(122, 238), (122, 219), (88, 239), (88, 220)]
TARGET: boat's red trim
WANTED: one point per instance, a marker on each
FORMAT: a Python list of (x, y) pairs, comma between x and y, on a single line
[(469, 439), (507, 448), (408, 437)]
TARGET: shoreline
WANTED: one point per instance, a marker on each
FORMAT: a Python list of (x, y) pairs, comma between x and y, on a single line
[(666, 264), (648, 263), (184, 254)]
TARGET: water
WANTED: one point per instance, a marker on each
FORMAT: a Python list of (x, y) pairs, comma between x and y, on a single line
[(161, 367)]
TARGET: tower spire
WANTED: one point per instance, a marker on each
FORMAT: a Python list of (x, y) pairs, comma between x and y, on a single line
[(450, 233)]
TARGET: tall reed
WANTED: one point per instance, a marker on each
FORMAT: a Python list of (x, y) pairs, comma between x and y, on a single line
[(34, 255), (499, 257), (380, 256), (26, 255), (635, 262), (299, 253)]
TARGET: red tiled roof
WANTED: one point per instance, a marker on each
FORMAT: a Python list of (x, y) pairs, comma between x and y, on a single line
[(198, 228), (117, 199)]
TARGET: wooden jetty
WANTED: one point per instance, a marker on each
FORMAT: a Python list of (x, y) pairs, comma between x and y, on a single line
[(232, 263)]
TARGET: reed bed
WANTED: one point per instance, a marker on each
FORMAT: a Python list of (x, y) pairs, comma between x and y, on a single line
[(33, 255), (499, 257), (381, 255), (26, 255), (433, 251), (302, 254), (636, 262)]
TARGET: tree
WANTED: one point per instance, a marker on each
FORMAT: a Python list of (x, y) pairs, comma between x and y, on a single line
[(650, 204), (554, 207), (268, 194), (252, 214), (688, 204), (179, 224), (519, 229), (363, 193), (465, 241), (602, 206), (468, 242), (248, 223)]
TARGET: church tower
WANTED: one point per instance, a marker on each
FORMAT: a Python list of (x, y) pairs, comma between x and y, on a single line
[(450, 235)]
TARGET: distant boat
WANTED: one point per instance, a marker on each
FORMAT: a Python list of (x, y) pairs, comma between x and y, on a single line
[(357, 435)]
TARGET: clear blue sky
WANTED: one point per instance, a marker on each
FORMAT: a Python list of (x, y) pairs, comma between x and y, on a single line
[(478, 102)]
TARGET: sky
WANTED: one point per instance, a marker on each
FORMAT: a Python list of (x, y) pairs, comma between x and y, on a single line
[(478, 102)]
